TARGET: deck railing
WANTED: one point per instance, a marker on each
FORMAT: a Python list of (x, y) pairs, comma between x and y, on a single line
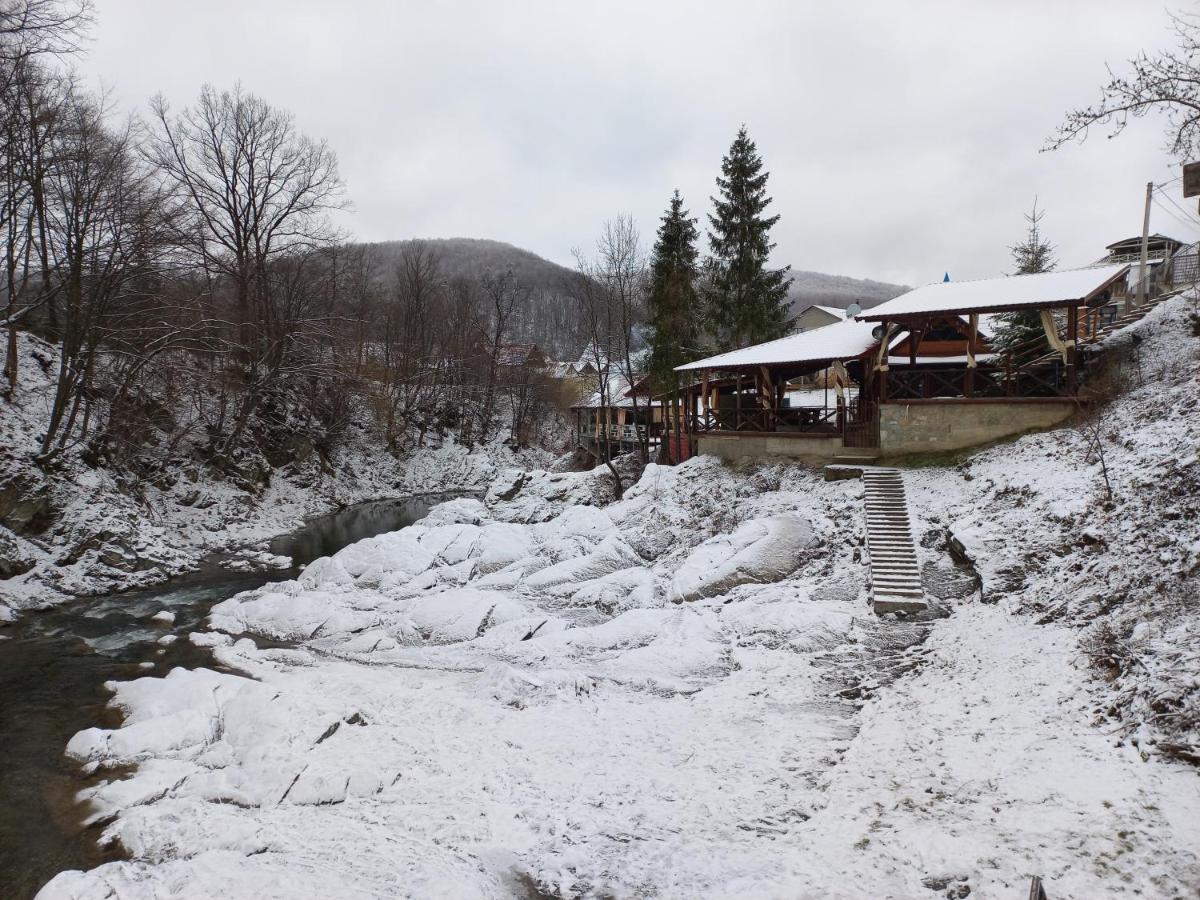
[(795, 419), (617, 434), (1047, 379)]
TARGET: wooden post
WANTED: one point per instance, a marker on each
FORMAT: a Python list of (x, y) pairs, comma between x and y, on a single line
[(1141, 284), (972, 348), (1073, 355), (764, 398), (883, 367), (737, 403)]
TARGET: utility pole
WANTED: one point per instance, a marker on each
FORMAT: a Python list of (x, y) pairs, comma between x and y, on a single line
[(1141, 283)]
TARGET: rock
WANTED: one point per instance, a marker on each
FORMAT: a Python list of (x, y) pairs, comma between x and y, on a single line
[(503, 493), (13, 561), (295, 448), (118, 556), (759, 551), (25, 505)]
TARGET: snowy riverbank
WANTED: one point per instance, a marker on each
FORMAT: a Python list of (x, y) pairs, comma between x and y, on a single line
[(80, 529)]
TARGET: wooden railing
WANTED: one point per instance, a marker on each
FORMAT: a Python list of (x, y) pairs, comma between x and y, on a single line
[(1049, 379), (628, 434), (797, 419)]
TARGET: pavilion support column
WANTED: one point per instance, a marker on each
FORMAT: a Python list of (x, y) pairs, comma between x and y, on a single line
[(972, 346), (914, 341), (1073, 349), (883, 361), (706, 398), (765, 392)]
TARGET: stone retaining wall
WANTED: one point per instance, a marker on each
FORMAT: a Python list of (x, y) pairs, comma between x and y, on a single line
[(937, 425)]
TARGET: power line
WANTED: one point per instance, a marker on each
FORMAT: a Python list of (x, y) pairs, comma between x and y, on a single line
[(1188, 218), (1182, 220)]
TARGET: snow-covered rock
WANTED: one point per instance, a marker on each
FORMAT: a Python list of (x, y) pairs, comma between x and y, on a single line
[(759, 551)]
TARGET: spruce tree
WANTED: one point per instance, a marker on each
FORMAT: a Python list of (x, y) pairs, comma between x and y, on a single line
[(747, 302), (672, 300), (1033, 255)]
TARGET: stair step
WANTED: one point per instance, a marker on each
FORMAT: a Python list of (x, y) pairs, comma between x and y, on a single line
[(895, 573)]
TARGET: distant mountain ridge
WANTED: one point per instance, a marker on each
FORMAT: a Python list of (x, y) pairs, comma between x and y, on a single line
[(809, 288), (475, 257)]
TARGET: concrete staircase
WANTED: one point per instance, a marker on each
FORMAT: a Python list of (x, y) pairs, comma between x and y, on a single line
[(895, 574)]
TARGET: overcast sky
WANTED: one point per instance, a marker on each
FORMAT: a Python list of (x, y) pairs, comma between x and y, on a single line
[(901, 142)]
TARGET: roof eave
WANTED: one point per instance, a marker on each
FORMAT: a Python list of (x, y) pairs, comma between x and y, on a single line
[(867, 316), (750, 367)]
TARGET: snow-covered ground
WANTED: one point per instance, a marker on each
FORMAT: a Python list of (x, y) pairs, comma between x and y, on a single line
[(104, 532), (683, 694)]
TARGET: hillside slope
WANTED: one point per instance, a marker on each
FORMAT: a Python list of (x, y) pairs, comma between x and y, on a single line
[(547, 316)]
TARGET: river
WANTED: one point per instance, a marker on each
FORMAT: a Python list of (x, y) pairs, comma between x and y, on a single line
[(53, 666)]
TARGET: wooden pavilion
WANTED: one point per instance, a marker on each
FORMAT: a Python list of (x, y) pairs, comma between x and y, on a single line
[(916, 373)]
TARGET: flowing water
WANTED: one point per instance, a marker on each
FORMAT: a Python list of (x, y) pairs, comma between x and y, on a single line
[(53, 666)]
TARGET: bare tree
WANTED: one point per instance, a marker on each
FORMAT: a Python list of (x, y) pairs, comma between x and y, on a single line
[(252, 192), (105, 231), (621, 271), (1090, 424), (610, 295), (413, 361), (502, 298), (1167, 83), (32, 99), (34, 27)]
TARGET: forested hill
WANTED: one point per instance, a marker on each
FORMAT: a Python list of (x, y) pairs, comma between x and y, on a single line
[(475, 257), (838, 290), (550, 318)]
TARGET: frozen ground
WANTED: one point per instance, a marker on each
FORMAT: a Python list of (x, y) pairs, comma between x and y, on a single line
[(505, 700)]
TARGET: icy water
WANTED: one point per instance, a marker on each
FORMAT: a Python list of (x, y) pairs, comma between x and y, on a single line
[(53, 666)]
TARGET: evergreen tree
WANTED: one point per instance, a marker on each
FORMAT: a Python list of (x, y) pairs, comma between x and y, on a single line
[(747, 302), (672, 300), (1033, 255)]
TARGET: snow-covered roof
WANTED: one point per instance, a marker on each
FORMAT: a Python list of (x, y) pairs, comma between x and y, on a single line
[(841, 340), (832, 310), (1046, 289), (619, 394)]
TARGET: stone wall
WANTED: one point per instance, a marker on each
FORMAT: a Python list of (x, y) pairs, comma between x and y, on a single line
[(938, 425), (817, 449)]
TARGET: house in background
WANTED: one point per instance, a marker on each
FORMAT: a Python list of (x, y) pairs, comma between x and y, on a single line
[(816, 316), (1129, 250), (1170, 263), (525, 356), (619, 418)]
